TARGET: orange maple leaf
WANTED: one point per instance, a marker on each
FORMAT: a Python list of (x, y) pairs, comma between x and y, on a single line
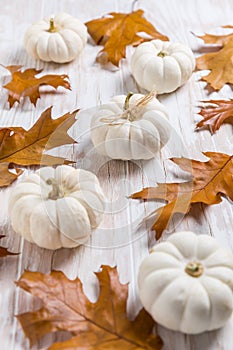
[(220, 63), (211, 180), (215, 113), (25, 83), (118, 30), (94, 326), (27, 147)]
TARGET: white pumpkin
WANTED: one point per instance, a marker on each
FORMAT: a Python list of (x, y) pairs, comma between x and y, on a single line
[(162, 65), (57, 208), (186, 283), (58, 39), (130, 127)]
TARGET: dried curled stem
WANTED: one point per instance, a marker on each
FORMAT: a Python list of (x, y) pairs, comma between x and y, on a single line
[(147, 98)]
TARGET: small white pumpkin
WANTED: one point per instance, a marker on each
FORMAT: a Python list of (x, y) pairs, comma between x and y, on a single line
[(130, 127), (58, 39), (57, 208), (162, 65), (186, 283)]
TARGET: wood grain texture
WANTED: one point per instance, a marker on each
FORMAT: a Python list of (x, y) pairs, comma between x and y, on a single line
[(117, 241)]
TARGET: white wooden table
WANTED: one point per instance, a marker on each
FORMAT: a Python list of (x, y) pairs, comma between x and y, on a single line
[(116, 242)]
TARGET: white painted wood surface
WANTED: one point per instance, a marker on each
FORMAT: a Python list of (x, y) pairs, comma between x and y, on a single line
[(116, 242)]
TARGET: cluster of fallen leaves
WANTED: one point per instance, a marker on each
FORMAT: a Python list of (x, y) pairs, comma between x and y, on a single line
[(220, 64)]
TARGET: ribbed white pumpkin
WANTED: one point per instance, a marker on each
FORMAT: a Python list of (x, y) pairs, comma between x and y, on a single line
[(57, 208), (58, 39), (186, 283), (124, 129), (162, 65)]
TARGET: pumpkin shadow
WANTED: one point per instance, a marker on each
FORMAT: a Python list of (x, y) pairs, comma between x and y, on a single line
[(207, 49), (119, 168), (202, 341)]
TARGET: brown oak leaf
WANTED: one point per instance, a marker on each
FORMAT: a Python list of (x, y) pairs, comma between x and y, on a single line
[(116, 31), (26, 147), (4, 251), (8, 173), (220, 63), (215, 113), (94, 326), (25, 84), (211, 180)]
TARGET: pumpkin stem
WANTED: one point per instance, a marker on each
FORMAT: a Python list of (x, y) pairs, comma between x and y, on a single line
[(194, 269), (127, 110), (147, 98), (56, 189), (52, 28), (126, 104), (162, 54)]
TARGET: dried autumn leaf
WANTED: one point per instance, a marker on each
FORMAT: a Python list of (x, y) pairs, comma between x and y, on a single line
[(25, 83), (100, 325), (26, 147), (118, 30), (220, 63), (211, 180), (215, 113), (4, 251), (6, 175)]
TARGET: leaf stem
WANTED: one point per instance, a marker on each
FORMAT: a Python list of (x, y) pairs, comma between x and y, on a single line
[(162, 54)]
